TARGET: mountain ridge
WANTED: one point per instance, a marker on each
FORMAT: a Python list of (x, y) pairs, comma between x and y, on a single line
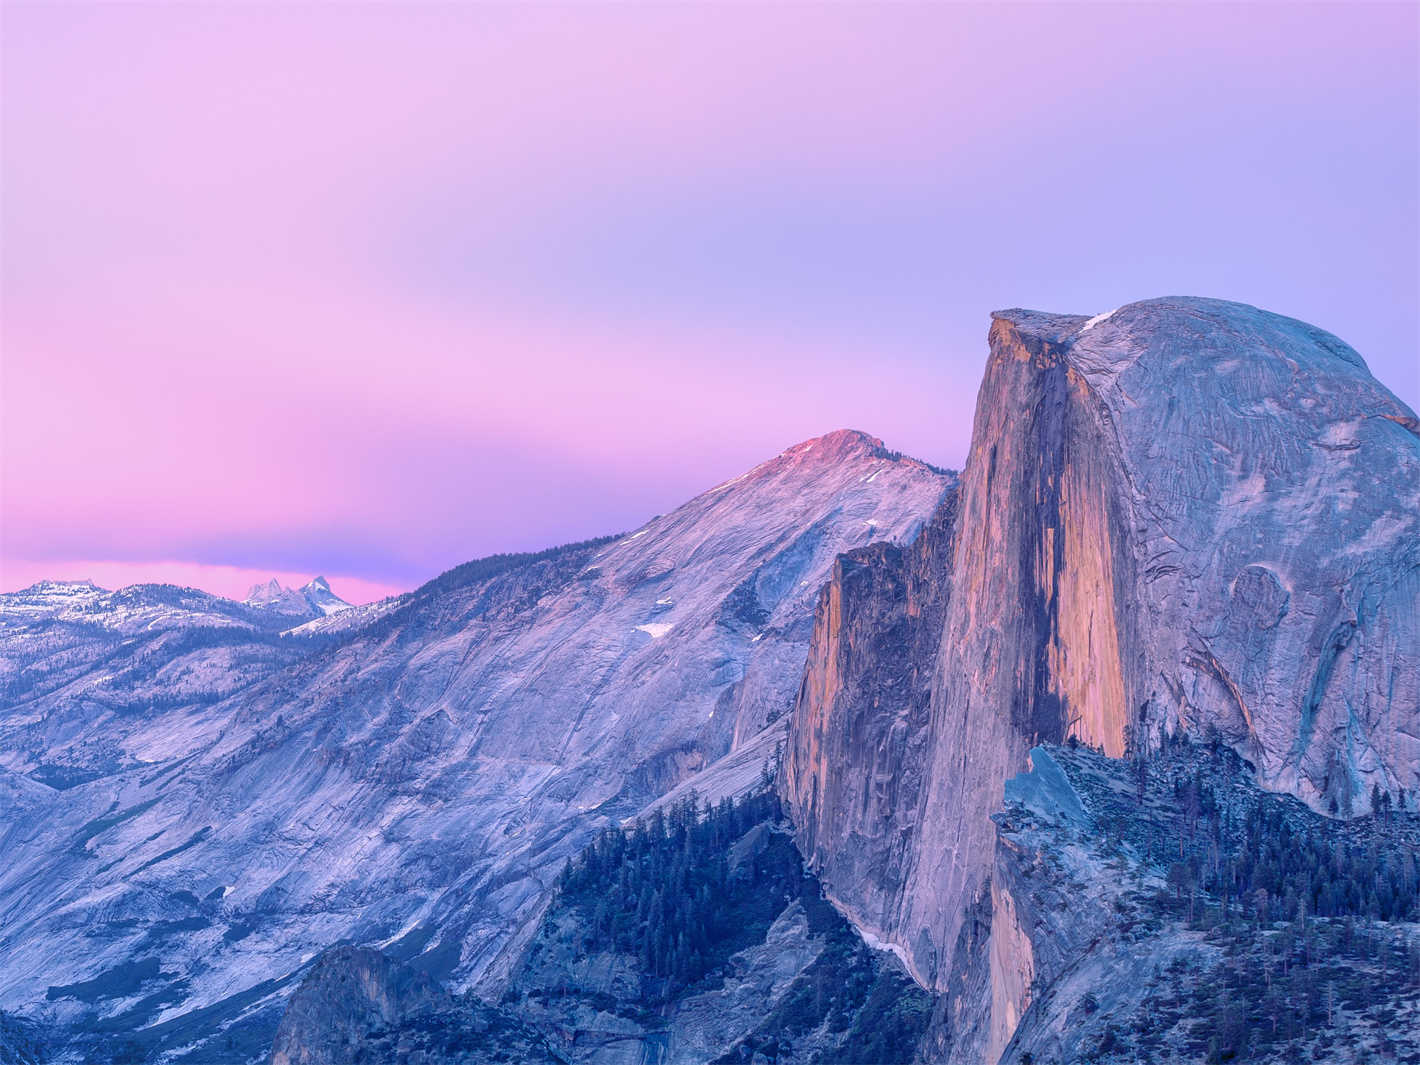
[(415, 782)]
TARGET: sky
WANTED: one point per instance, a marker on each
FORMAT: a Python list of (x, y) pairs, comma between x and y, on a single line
[(368, 290)]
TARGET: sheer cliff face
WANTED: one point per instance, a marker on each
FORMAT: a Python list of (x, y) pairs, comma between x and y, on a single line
[(1186, 513), (1033, 644), (348, 990), (858, 737)]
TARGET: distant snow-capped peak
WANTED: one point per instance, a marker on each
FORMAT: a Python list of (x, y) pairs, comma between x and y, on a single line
[(317, 592), (313, 599), (265, 594)]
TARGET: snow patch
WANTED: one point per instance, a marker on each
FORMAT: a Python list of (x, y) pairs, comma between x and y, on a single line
[(413, 923), (871, 523), (1097, 319), (877, 944), (872, 476), (665, 602), (656, 629), (1246, 493), (635, 535)]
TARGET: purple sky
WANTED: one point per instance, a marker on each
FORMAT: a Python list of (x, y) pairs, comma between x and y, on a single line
[(370, 290)]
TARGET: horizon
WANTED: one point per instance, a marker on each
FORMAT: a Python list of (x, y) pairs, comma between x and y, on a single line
[(228, 578), (367, 294)]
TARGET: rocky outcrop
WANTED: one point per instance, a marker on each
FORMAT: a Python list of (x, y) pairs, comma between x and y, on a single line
[(358, 1006), (1052, 900), (1185, 514), (348, 991), (20, 1042)]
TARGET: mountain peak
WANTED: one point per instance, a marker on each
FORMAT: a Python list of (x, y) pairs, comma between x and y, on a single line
[(60, 586), (313, 599), (1218, 325), (842, 446), (837, 445), (269, 592), (318, 595)]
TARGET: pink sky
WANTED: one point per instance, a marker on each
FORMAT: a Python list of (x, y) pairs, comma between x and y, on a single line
[(368, 291)]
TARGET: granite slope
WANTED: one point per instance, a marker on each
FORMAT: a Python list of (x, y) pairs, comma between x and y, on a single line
[(415, 784)]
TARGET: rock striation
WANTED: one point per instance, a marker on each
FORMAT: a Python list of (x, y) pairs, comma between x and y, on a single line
[(1185, 514)]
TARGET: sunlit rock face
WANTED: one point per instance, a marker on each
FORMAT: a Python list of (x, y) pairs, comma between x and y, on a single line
[(1265, 490), (416, 776), (1032, 646), (1183, 514)]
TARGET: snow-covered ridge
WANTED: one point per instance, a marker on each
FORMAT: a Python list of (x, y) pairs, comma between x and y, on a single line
[(83, 669), (153, 607), (313, 599), (348, 618)]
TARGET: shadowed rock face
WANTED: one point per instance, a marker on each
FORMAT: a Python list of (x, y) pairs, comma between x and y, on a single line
[(358, 1007), (1184, 514), (853, 770), (348, 991)]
